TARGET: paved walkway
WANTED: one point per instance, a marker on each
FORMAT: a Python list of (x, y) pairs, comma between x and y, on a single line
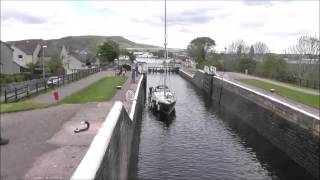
[(233, 75), (68, 89), (42, 142)]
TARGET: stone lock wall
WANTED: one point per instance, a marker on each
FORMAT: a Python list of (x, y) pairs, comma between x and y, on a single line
[(110, 152), (292, 131)]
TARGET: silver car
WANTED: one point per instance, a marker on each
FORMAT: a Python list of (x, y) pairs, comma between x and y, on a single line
[(53, 80)]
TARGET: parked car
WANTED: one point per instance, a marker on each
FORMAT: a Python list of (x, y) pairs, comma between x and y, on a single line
[(53, 80)]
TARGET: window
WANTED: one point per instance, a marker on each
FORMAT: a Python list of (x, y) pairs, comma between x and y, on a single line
[(20, 56)]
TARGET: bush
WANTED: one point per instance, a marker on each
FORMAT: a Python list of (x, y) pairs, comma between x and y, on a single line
[(216, 63), (274, 68), (7, 79), (246, 63)]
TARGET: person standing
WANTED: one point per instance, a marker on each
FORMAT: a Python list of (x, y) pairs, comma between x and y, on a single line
[(137, 71), (133, 76)]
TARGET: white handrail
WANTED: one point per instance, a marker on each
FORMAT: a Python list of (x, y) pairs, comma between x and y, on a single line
[(91, 162)]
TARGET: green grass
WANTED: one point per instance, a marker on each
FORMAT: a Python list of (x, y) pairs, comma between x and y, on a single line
[(308, 99), (21, 106), (102, 90)]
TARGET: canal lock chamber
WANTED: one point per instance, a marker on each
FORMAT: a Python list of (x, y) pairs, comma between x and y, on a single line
[(252, 128)]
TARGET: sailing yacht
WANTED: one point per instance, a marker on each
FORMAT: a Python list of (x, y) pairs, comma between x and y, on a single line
[(161, 98)]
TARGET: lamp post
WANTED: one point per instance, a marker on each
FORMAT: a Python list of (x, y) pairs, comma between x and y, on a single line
[(224, 60), (43, 72)]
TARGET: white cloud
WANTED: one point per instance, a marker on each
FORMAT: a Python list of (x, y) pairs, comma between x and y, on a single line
[(278, 24)]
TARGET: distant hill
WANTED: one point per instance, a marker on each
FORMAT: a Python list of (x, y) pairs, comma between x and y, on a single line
[(88, 43)]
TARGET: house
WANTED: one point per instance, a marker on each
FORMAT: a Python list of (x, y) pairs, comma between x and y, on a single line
[(7, 65), (71, 61), (26, 51)]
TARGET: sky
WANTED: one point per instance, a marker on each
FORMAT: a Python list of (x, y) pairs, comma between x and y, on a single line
[(277, 23)]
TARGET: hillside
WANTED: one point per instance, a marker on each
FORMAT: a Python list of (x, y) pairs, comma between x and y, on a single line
[(88, 43)]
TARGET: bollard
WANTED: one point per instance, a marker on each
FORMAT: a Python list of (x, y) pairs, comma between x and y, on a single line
[(16, 93), (5, 96), (56, 95)]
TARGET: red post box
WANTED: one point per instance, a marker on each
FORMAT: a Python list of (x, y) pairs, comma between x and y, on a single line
[(56, 95)]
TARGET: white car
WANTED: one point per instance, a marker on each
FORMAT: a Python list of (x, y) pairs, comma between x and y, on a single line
[(53, 80)]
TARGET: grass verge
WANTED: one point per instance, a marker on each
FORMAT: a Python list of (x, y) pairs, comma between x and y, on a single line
[(310, 100), (21, 106), (102, 90)]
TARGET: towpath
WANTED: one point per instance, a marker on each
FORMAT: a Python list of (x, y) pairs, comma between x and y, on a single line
[(68, 89), (42, 142), (234, 76)]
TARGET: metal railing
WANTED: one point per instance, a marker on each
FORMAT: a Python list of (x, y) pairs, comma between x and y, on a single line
[(313, 84), (16, 94)]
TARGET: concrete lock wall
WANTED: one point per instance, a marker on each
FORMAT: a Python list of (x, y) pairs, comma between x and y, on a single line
[(292, 130), (109, 154)]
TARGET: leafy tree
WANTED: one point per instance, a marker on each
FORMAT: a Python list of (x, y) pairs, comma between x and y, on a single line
[(31, 67), (108, 51), (247, 63), (55, 64), (273, 67), (199, 47), (132, 57)]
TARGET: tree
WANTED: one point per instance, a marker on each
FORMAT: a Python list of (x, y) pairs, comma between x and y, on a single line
[(260, 48), (237, 47), (55, 64), (273, 67), (239, 50), (108, 51), (31, 67), (125, 52), (199, 47), (246, 63), (251, 53), (308, 48)]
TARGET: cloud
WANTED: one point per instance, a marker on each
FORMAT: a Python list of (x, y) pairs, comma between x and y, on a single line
[(252, 24), (22, 17), (266, 3), (276, 23), (285, 34), (199, 16)]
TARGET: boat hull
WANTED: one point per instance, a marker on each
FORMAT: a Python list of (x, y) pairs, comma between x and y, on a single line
[(164, 107)]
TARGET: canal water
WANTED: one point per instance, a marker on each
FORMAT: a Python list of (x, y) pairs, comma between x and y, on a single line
[(198, 142)]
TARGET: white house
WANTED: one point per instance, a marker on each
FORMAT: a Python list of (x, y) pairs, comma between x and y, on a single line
[(25, 52)]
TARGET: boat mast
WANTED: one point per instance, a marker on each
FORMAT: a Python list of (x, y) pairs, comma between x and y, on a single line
[(165, 38)]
